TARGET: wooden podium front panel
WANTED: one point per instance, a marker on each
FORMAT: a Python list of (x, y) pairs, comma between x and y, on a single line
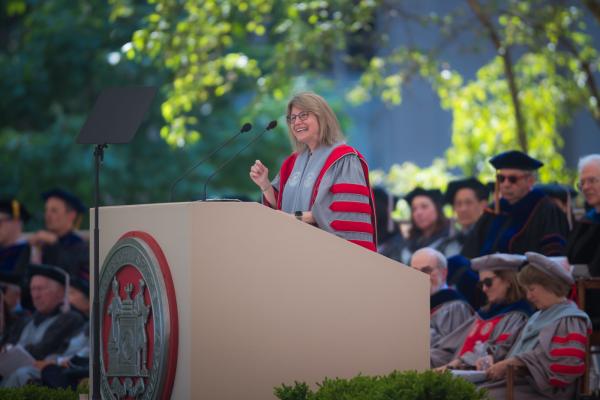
[(264, 299), (276, 300)]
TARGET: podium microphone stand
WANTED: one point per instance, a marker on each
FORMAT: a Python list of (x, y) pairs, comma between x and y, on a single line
[(115, 118)]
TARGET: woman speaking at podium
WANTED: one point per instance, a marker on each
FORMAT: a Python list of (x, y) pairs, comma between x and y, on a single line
[(324, 182)]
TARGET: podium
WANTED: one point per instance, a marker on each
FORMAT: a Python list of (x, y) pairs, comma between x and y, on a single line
[(264, 299)]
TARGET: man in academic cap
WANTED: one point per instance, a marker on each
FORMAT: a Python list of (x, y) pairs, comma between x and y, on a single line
[(14, 249), (69, 367), (51, 326), (468, 198), (523, 219), (59, 244)]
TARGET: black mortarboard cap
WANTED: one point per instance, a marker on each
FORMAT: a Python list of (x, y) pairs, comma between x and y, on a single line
[(557, 191), (434, 194), (81, 284), (15, 209), (480, 189), (49, 271), (69, 198), (10, 277), (515, 159)]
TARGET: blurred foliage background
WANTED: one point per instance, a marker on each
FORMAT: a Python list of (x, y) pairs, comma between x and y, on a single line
[(218, 64)]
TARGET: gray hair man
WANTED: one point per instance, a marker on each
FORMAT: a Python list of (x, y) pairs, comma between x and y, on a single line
[(448, 309)]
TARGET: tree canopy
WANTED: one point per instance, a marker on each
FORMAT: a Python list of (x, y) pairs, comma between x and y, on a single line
[(219, 64)]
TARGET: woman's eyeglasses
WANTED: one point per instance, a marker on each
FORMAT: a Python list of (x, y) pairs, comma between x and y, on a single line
[(511, 178), (487, 282), (301, 115)]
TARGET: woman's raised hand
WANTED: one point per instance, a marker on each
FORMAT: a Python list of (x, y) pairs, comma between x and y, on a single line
[(260, 175)]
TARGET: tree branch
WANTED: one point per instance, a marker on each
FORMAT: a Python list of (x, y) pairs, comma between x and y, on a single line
[(504, 52)]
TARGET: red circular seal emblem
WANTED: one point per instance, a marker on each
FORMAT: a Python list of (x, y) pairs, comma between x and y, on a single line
[(138, 324)]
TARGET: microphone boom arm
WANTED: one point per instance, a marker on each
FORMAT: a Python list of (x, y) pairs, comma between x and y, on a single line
[(245, 128), (271, 125)]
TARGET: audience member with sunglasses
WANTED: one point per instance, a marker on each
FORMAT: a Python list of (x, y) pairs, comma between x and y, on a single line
[(551, 349), (495, 326), (324, 182), (523, 218)]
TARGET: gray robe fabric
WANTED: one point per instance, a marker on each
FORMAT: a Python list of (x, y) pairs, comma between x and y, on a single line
[(447, 317), (554, 361), (299, 187), (448, 347)]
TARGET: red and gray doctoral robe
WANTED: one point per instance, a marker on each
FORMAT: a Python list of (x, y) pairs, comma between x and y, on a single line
[(497, 328), (448, 311), (333, 183), (552, 347)]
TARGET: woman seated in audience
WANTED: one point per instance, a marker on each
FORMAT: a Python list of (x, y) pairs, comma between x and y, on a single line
[(429, 226), (551, 347), (495, 326)]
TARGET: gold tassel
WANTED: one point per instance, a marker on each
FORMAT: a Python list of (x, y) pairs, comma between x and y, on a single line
[(16, 209), (496, 197)]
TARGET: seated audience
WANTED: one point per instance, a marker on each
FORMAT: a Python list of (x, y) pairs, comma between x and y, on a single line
[(448, 309), (14, 249), (583, 244), (429, 226), (59, 244), (389, 238), (466, 281), (495, 327), (11, 309), (49, 328), (551, 347), (468, 198), (523, 218), (67, 369)]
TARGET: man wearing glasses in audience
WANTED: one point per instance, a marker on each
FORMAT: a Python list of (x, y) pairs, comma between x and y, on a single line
[(523, 219), (583, 244)]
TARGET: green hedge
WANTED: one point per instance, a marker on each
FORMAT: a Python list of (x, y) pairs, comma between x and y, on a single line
[(35, 392), (408, 385)]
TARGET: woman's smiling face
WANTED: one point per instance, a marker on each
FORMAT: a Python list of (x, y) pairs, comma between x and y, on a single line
[(305, 127)]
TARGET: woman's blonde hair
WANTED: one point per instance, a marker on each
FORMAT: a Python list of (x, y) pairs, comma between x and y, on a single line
[(329, 127)]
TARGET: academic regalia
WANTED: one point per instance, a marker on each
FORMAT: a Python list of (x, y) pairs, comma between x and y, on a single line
[(448, 310), (333, 183), (439, 240), (462, 278), (70, 252), (583, 247), (42, 335), (497, 328), (552, 347), (583, 242), (533, 223), (392, 247), (14, 257)]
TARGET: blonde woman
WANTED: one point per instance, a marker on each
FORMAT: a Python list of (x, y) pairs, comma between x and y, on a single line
[(324, 182)]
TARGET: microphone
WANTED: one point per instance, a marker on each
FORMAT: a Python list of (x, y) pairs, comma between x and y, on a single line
[(270, 126), (245, 128)]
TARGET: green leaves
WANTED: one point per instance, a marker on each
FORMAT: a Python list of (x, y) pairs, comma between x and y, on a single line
[(409, 385)]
